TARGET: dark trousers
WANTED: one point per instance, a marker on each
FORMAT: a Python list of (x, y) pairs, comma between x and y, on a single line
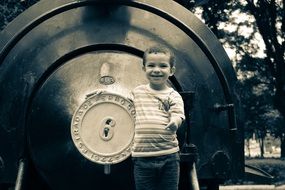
[(157, 173)]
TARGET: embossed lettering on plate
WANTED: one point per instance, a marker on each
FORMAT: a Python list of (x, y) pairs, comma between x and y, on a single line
[(102, 128)]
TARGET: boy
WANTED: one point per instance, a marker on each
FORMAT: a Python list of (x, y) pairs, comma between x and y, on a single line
[(159, 113)]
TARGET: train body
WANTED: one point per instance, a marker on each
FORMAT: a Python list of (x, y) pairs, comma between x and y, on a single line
[(59, 56)]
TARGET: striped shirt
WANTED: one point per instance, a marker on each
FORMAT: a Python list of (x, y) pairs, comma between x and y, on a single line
[(153, 112)]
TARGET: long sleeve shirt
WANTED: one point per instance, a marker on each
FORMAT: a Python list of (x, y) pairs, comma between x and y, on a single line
[(154, 110)]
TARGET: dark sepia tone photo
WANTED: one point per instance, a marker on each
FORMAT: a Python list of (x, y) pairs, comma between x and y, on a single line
[(142, 94)]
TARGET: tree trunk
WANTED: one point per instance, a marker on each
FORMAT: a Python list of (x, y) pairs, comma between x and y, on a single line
[(282, 146), (266, 19), (261, 146)]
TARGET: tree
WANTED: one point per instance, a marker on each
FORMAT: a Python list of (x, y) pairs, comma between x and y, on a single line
[(257, 92), (264, 18), (270, 21)]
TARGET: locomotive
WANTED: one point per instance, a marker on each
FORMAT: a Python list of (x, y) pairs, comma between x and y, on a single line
[(66, 69)]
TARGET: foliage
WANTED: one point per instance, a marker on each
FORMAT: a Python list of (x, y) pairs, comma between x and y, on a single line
[(9, 9), (256, 95), (257, 100), (270, 20), (254, 31)]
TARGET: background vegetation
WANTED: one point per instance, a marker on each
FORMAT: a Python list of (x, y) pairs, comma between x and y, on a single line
[(254, 34), (9, 9)]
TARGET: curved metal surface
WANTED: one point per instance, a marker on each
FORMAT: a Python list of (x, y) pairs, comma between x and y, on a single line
[(40, 54), (7, 48), (257, 175)]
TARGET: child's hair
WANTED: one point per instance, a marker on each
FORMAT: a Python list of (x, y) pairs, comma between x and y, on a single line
[(159, 49)]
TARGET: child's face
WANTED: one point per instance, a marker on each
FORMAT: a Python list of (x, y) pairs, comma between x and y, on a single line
[(158, 69)]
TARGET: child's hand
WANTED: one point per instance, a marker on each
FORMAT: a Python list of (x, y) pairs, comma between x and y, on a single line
[(174, 124), (171, 126)]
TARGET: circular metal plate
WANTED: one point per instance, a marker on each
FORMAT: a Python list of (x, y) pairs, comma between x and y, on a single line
[(102, 128)]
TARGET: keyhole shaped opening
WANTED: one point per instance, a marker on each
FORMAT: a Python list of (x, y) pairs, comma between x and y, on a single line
[(106, 131)]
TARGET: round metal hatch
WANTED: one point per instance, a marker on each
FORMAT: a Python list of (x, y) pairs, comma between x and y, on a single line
[(102, 128)]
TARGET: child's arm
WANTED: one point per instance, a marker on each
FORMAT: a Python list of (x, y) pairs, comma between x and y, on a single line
[(176, 112)]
